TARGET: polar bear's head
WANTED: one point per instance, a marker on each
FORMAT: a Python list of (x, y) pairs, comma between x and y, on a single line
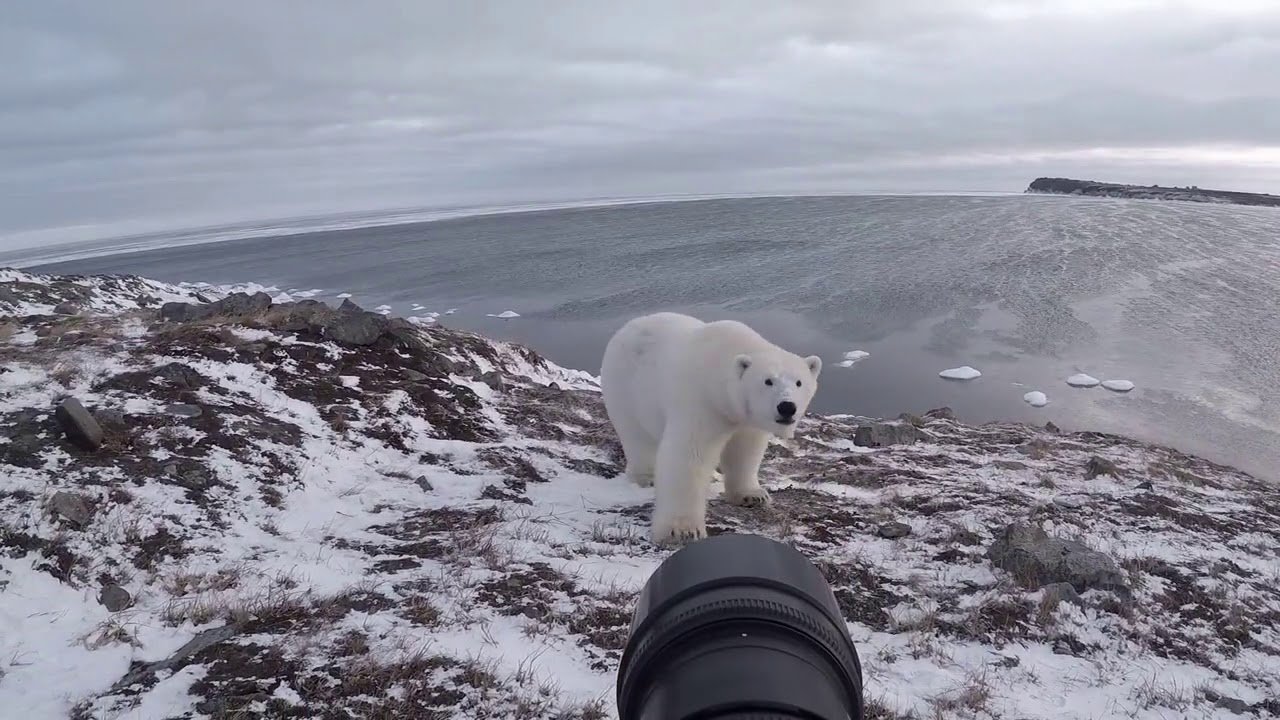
[(775, 389)]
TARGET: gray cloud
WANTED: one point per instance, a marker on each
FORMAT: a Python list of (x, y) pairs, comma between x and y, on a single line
[(130, 115)]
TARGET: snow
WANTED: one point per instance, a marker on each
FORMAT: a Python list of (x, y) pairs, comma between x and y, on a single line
[(1120, 386), (343, 296), (346, 490), (505, 314), (1082, 380), (1035, 398), (963, 372)]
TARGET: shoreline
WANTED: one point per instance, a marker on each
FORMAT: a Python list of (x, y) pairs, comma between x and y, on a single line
[(347, 511)]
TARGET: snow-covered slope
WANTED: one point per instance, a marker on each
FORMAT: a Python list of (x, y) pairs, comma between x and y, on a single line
[(291, 517)]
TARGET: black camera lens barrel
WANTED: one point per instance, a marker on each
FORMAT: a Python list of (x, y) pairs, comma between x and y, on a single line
[(743, 627)]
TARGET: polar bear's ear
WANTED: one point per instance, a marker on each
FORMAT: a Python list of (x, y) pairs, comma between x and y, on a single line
[(815, 364), (742, 362)]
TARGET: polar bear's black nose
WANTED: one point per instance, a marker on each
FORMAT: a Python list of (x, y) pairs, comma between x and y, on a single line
[(786, 409)]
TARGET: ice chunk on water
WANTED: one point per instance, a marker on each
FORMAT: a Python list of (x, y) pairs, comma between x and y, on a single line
[(1035, 398), (853, 357), (343, 296), (1120, 386), (506, 314), (450, 311), (964, 372), (1082, 380)]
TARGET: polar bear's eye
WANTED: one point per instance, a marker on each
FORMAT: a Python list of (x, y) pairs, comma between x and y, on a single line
[(769, 382), (797, 383)]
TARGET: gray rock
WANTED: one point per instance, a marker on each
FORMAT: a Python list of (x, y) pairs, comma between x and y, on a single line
[(413, 375), (1036, 559), (81, 429), (942, 413), (911, 419), (1074, 502), (1050, 427), (424, 483), (179, 658), (66, 308), (1011, 465), (355, 328), (885, 434), (1061, 592), (184, 410), (236, 305), (72, 507), (494, 380), (893, 530), (1235, 705), (111, 420), (256, 348), (1145, 485), (1100, 466), (115, 598)]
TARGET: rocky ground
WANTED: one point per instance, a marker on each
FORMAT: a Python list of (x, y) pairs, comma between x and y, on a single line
[(247, 508)]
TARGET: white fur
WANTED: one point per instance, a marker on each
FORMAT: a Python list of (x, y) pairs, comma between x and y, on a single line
[(684, 396)]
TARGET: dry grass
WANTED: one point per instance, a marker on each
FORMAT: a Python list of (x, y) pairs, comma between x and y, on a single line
[(1152, 692), (969, 700)]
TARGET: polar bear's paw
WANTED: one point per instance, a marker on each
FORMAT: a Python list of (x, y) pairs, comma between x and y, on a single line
[(756, 497), (678, 530)]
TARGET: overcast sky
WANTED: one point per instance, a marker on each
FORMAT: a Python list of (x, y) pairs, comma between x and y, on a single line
[(123, 115)]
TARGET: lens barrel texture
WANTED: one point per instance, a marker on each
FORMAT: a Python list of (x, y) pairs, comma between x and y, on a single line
[(743, 627)]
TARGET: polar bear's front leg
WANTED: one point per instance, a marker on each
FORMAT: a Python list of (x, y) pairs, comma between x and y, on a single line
[(685, 459), (741, 463)]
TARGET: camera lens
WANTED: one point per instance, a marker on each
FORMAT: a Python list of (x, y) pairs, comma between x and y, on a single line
[(738, 626)]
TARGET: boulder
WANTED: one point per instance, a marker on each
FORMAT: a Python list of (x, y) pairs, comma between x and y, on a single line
[(114, 598), (1061, 592), (893, 530), (424, 483), (882, 434), (942, 413), (1036, 559), (184, 410), (66, 308), (78, 424), (1100, 466), (72, 507), (494, 380), (235, 305)]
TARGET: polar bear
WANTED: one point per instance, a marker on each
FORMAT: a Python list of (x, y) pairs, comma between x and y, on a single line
[(684, 395)]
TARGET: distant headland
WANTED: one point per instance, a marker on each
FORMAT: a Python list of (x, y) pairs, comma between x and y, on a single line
[(1066, 186)]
